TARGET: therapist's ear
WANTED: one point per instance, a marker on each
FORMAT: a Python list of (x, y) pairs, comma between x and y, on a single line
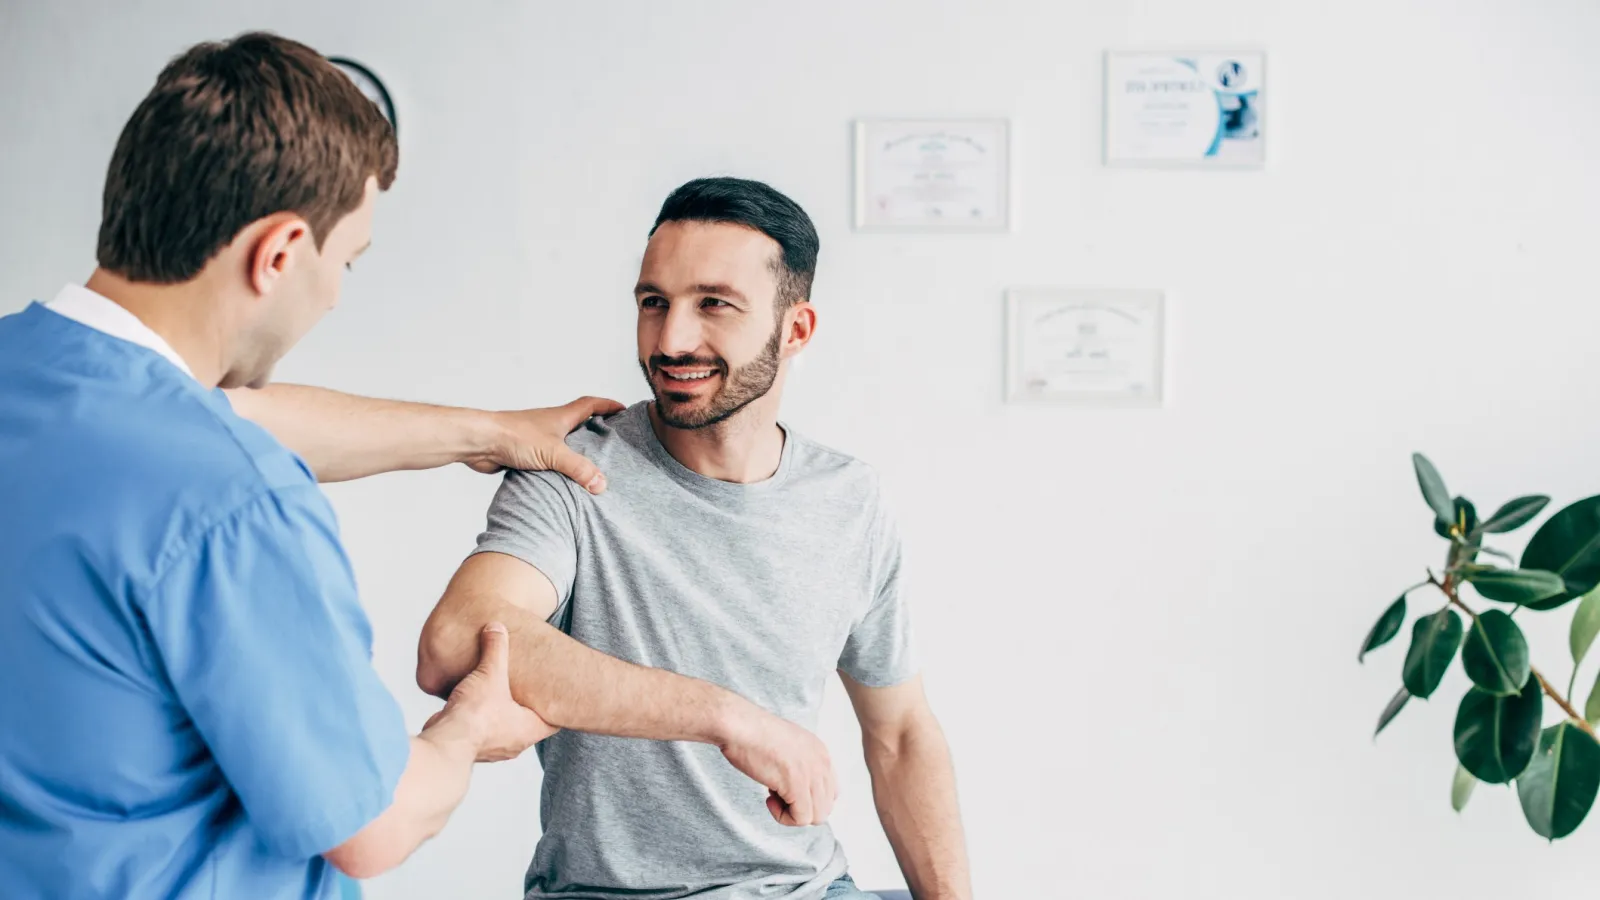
[(275, 250)]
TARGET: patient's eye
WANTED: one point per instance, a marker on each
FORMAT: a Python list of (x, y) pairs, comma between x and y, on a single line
[(653, 302), (713, 301)]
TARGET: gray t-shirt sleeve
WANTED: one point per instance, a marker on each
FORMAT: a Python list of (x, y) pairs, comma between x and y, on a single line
[(879, 651), (536, 522)]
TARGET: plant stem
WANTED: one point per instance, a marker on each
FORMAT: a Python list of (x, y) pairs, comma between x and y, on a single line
[(1449, 589), (1561, 702)]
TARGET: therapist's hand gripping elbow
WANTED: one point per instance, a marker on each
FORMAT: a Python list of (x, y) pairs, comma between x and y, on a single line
[(479, 723)]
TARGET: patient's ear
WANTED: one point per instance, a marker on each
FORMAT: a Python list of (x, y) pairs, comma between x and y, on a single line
[(801, 327)]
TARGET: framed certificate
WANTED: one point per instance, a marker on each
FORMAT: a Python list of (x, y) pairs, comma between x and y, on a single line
[(933, 175), (1085, 347), (1186, 109)]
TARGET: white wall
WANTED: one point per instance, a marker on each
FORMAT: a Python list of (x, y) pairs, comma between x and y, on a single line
[(1140, 628)]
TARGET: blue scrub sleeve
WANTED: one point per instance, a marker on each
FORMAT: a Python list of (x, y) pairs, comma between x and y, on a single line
[(266, 646)]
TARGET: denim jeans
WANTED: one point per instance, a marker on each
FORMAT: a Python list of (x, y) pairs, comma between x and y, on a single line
[(845, 889)]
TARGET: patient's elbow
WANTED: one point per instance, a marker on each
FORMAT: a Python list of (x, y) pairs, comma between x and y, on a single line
[(440, 664), (432, 680)]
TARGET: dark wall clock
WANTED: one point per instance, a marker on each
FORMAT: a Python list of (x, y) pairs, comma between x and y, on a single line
[(371, 85)]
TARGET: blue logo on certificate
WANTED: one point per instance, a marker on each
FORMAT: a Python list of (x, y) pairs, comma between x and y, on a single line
[(1201, 110)]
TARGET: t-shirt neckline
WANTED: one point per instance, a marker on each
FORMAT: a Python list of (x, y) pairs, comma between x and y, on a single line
[(710, 487)]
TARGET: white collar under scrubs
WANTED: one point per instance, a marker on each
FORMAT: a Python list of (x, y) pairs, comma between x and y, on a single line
[(99, 312)]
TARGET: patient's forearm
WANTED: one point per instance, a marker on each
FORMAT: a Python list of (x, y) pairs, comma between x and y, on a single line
[(574, 687), (342, 436), (914, 785)]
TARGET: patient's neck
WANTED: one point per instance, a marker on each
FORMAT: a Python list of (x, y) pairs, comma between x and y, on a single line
[(743, 449)]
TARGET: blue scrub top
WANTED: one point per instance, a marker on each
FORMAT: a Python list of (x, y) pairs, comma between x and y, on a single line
[(188, 707)]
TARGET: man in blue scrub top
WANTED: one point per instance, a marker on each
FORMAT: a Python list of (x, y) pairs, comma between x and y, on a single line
[(189, 707)]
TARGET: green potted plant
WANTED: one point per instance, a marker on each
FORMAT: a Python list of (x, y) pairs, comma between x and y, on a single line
[(1500, 731)]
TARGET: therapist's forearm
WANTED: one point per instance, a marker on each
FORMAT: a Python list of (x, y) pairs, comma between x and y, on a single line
[(433, 785), (342, 436)]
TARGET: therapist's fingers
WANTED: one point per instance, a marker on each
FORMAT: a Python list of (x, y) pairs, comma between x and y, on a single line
[(494, 651), (576, 466), (573, 464), (488, 682), (580, 410), (536, 439), (501, 728)]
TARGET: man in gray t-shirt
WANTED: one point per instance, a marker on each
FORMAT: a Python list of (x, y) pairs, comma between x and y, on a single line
[(681, 625)]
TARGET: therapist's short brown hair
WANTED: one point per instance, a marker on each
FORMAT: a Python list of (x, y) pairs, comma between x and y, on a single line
[(233, 132)]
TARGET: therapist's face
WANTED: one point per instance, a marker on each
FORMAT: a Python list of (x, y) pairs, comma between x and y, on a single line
[(294, 286)]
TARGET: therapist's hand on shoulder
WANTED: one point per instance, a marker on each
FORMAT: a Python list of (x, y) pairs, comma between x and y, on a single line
[(536, 439), (482, 707)]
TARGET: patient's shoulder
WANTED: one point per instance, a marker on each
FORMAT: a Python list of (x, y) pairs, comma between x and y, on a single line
[(614, 442), (824, 469)]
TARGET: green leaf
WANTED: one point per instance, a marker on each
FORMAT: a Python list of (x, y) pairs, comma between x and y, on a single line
[(1496, 736), (1568, 544), (1384, 630), (1461, 790), (1591, 710), (1396, 703), (1434, 641), (1524, 587), (1465, 516), (1559, 785), (1433, 489), (1585, 625), (1496, 654), (1515, 514), (1500, 553)]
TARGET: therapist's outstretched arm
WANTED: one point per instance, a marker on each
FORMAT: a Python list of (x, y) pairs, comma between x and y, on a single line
[(480, 723), (342, 436)]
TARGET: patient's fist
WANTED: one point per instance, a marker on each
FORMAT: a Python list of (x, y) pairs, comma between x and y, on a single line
[(791, 762)]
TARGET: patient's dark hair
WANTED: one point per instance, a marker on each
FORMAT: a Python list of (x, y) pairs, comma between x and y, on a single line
[(760, 207)]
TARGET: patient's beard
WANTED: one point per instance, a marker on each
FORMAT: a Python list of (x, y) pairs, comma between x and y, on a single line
[(740, 387)]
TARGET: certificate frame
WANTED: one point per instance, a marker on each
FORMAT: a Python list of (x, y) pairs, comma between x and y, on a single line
[(1113, 111), (1144, 346), (996, 220)]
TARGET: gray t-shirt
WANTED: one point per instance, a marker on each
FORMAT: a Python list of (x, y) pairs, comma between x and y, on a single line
[(765, 589)]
